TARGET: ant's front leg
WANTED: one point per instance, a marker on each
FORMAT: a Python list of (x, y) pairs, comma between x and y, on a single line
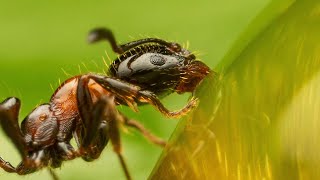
[(130, 93), (9, 113), (7, 166), (151, 98), (147, 134)]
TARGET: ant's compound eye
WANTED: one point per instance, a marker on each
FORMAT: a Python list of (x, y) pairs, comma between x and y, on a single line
[(157, 60), (42, 117)]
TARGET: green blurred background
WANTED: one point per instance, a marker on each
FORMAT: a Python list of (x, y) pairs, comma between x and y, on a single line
[(40, 41)]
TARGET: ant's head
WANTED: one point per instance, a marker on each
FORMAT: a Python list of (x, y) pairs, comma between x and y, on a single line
[(160, 67), (39, 127), (153, 64)]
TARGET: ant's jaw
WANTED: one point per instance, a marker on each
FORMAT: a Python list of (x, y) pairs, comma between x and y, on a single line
[(191, 76)]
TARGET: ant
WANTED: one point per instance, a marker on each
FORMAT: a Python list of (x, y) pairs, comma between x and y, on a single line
[(84, 106)]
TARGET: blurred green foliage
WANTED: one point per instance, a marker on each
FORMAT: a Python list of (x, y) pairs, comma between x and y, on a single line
[(39, 38)]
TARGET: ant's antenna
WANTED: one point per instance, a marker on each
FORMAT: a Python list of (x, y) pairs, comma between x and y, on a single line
[(99, 34)]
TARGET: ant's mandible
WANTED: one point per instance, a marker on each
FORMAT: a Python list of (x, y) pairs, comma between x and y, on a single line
[(84, 106)]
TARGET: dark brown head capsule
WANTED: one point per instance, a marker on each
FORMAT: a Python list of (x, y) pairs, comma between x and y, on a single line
[(160, 68), (154, 64)]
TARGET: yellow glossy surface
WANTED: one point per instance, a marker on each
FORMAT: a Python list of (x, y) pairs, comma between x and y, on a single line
[(260, 119)]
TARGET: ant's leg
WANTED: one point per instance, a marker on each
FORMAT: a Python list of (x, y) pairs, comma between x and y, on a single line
[(65, 151), (53, 174), (114, 135), (9, 113), (95, 138), (99, 34), (147, 134), (34, 161), (91, 114), (151, 98), (102, 111), (7, 166), (129, 93)]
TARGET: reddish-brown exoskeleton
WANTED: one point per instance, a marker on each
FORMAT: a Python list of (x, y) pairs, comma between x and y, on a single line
[(84, 106)]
